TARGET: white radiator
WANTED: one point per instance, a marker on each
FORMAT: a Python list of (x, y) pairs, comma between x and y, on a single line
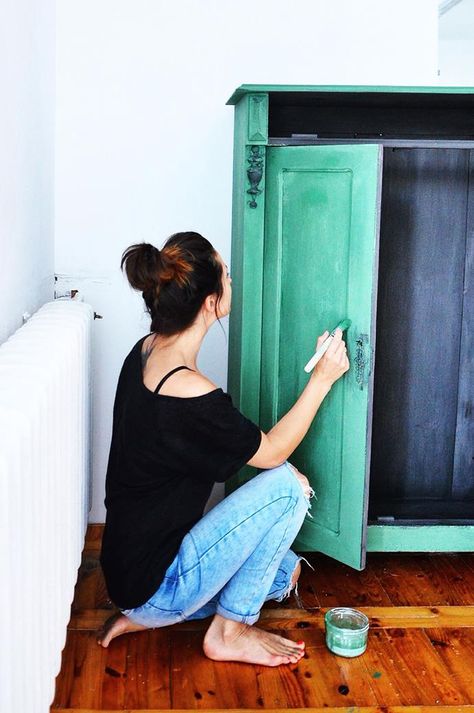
[(44, 495)]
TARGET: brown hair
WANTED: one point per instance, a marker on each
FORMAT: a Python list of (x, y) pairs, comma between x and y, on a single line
[(175, 280)]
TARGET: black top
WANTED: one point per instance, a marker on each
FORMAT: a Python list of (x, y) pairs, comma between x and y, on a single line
[(165, 455)]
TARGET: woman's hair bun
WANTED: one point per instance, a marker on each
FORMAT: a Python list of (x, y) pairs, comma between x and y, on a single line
[(142, 263), (175, 265), (148, 268)]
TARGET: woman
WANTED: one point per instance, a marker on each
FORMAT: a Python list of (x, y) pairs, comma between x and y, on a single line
[(174, 435)]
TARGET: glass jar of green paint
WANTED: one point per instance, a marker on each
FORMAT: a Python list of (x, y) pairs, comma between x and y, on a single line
[(346, 631)]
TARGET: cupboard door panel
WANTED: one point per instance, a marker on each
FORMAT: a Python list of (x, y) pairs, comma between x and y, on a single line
[(320, 266)]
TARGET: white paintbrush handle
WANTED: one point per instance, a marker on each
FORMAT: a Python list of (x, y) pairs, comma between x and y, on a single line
[(319, 353)]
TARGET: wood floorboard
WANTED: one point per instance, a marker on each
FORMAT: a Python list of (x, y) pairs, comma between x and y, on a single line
[(420, 654), (133, 672), (379, 618), (344, 586), (404, 581), (89, 673), (432, 682), (200, 683), (118, 678), (324, 709), (329, 680), (468, 559), (455, 647), (425, 579), (287, 619), (451, 579)]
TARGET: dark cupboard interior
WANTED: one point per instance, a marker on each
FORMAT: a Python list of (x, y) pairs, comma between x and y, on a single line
[(356, 115), (421, 458)]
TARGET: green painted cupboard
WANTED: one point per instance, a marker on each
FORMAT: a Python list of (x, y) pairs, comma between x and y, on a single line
[(358, 202)]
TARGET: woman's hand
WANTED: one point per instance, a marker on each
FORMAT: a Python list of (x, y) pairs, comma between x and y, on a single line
[(334, 363), (286, 435)]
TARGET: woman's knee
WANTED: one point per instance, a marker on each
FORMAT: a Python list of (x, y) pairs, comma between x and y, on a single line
[(285, 479)]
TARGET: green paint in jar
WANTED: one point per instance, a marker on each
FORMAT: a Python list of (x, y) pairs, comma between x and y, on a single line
[(346, 631)]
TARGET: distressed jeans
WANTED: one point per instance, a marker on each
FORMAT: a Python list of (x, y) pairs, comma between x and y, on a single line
[(236, 557)]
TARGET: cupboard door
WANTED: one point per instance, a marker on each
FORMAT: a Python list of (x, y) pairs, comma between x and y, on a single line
[(320, 266)]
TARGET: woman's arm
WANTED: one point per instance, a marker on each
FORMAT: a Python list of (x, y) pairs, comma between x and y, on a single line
[(280, 442)]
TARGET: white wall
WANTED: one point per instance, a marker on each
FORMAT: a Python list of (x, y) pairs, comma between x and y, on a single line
[(144, 139), (456, 45), (26, 158)]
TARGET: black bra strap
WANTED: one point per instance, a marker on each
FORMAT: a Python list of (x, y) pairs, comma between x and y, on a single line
[(170, 373)]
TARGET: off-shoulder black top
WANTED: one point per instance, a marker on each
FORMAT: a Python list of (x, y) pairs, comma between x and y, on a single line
[(165, 455)]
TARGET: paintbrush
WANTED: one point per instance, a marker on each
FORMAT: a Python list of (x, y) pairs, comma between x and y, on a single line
[(345, 324)]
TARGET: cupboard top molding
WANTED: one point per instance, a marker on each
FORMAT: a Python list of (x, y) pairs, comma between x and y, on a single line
[(323, 88)]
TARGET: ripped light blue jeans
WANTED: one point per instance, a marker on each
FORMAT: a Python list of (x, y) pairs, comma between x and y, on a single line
[(236, 557)]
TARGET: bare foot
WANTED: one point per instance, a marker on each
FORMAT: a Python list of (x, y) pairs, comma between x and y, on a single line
[(114, 626), (228, 640)]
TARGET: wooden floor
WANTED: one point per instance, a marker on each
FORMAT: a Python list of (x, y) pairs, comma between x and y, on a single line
[(420, 652)]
